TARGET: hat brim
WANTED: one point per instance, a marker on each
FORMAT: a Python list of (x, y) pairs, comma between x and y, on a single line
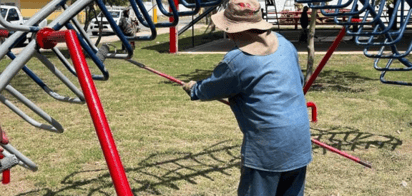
[(229, 26)]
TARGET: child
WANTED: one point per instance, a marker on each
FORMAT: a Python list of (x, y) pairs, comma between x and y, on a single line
[(263, 81)]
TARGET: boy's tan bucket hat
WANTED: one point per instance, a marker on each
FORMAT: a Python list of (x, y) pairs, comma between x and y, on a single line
[(241, 15)]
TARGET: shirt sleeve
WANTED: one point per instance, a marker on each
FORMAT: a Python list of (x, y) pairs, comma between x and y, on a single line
[(223, 83)]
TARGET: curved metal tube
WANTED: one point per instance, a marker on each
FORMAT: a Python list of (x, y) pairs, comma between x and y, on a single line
[(195, 5), (174, 13), (25, 162), (147, 21), (387, 67), (337, 6), (54, 127)]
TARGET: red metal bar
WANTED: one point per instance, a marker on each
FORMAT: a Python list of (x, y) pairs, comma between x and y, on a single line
[(4, 33), (175, 80), (173, 37), (314, 111), (48, 38), (6, 177), (3, 137), (6, 173), (103, 131), (325, 59), (332, 149)]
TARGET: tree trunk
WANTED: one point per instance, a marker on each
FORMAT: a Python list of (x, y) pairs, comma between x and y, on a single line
[(311, 45)]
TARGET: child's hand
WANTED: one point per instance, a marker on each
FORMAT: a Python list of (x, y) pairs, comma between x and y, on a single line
[(188, 86)]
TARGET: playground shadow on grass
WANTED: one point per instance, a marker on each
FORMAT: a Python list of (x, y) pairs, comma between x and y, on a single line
[(168, 169), (349, 139), (340, 81), (154, 173)]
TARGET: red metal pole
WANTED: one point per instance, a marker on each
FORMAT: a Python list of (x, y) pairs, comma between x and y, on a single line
[(173, 37), (332, 149), (48, 38), (4, 33), (6, 176), (164, 75), (103, 131), (325, 59), (6, 173)]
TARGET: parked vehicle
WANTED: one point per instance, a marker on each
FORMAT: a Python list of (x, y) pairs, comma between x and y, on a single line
[(13, 15), (116, 13)]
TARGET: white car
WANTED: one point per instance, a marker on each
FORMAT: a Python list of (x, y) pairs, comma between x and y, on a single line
[(13, 15), (116, 13)]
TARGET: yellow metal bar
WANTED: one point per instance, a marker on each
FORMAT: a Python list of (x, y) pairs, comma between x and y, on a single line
[(154, 15)]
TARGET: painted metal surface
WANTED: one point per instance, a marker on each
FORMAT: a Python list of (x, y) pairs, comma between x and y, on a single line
[(5, 173), (324, 60), (312, 105), (99, 119)]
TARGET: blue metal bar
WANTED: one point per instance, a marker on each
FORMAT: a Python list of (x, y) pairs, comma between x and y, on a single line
[(166, 13), (93, 56), (174, 13), (197, 19), (202, 4), (147, 22), (195, 5)]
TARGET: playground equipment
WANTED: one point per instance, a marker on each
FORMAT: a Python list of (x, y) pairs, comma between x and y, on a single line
[(381, 39), (77, 40)]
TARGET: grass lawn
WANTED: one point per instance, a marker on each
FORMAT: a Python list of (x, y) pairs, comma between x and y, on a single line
[(170, 145)]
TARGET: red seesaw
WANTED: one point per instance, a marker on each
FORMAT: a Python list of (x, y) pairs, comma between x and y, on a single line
[(48, 38)]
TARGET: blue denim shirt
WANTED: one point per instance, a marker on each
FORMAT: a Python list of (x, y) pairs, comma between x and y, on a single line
[(266, 96)]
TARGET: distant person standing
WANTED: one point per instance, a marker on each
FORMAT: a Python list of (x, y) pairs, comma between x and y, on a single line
[(126, 26), (304, 22)]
